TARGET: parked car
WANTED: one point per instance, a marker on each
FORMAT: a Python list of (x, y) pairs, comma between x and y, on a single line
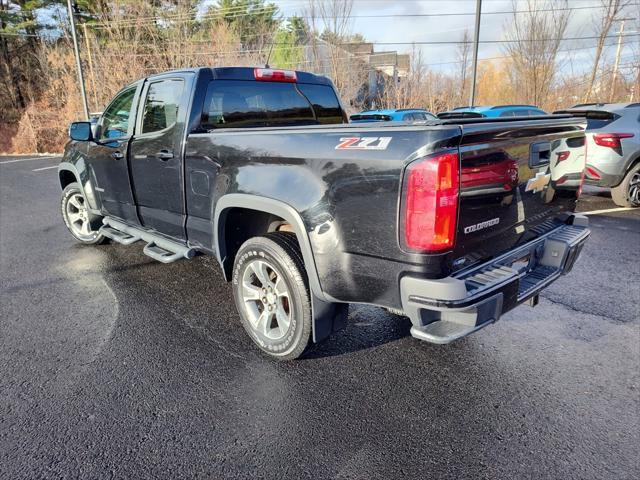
[(306, 213), (399, 115), (93, 119), (493, 112), (613, 149)]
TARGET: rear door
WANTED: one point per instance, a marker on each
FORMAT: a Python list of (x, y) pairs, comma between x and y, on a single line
[(516, 178), (156, 153)]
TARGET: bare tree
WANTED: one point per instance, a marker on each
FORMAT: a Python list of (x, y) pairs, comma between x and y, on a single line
[(330, 23), (464, 50), (611, 10), (534, 40)]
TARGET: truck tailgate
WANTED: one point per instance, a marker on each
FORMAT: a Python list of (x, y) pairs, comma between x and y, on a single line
[(516, 179)]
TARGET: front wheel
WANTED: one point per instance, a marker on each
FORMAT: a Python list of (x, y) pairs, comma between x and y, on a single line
[(627, 194), (77, 217), (271, 292)]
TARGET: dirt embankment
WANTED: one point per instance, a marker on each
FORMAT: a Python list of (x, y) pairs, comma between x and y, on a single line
[(7, 132)]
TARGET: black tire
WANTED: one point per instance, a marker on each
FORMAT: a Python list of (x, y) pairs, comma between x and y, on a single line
[(627, 194), (71, 196), (280, 256)]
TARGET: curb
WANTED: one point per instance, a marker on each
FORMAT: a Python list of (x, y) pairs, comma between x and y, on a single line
[(5, 154)]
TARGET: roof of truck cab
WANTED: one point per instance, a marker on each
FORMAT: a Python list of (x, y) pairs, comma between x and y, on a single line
[(245, 73)]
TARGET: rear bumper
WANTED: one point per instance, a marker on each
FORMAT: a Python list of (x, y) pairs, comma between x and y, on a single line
[(447, 309), (605, 180)]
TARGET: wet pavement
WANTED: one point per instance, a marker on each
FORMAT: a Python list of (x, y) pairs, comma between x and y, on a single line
[(116, 366)]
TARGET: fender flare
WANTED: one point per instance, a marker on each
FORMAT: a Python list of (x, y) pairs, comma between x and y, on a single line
[(87, 190), (327, 315)]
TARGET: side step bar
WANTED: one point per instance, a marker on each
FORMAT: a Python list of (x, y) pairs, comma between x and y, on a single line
[(158, 247), (118, 236)]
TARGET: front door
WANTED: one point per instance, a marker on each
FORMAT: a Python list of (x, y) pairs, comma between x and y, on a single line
[(156, 154), (107, 156)]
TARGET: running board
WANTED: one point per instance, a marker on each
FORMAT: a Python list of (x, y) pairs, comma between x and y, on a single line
[(159, 248), (165, 255), (118, 236)]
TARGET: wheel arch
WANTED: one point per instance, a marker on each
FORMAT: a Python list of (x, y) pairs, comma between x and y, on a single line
[(68, 173), (267, 206), (66, 177), (633, 161), (327, 315)]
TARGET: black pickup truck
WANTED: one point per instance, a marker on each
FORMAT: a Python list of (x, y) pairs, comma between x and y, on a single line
[(449, 222)]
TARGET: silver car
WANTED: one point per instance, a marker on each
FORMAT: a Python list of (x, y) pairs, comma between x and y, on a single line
[(613, 151)]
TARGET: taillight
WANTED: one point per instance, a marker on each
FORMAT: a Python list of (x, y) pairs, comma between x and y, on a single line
[(271, 75), (431, 203), (611, 140), (593, 173), (562, 156)]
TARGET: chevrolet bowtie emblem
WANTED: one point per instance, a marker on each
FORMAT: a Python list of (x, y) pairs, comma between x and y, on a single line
[(538, 183)]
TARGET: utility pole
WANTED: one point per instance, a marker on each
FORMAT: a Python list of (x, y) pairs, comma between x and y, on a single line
[(617, 62), (90, 57), (476, 37), (78, 64)]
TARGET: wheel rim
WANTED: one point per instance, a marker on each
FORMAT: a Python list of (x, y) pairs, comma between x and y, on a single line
[(78, 216), (266, 300), (634, 189)]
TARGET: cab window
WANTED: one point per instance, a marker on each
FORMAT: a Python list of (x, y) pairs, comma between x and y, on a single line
[(161, 105), (116, 119), (241, 103)]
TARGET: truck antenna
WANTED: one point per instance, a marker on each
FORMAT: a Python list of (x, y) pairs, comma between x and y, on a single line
[(266, 63)]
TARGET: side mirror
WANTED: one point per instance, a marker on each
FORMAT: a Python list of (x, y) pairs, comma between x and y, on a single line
[(80, 131)]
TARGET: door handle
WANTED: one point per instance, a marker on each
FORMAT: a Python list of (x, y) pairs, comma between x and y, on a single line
[(117, 155), (164, 155)]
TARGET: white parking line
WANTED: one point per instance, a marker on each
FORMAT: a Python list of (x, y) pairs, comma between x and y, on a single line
[(25, 160), (608, 210), (44, 168)]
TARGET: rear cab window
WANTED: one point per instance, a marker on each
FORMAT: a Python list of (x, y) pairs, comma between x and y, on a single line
[(246, 103)]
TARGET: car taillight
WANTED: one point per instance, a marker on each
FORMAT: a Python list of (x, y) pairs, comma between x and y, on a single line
[(611, 140), (593, 173), (562, 156), (431, 203), (271, 75)]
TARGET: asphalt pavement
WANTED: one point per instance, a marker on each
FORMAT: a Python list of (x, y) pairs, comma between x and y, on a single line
[(113, 365)]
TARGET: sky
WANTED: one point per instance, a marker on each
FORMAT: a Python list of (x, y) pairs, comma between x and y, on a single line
[(451, 28)]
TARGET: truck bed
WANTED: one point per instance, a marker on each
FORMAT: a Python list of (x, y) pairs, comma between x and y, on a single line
[(349, 196)]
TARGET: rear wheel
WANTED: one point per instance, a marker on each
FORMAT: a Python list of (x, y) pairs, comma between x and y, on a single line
[(627, 194), (77, 217), (272, 294)]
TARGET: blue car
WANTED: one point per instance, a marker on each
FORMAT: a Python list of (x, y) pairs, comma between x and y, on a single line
[(393, 115), (493, 111)]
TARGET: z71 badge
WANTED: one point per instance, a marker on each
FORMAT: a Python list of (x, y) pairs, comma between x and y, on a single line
[(363, 143)]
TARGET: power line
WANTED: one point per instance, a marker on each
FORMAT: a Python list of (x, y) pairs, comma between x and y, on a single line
[(238, 12)]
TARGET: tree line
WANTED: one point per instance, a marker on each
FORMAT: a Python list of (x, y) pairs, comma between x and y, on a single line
[(123, 40)]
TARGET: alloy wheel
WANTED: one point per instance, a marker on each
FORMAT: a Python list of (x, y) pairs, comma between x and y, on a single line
[(78, 216), (266, 299), (634, 189)]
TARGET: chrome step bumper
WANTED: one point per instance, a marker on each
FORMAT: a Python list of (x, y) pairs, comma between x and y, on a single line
[(447, 309)]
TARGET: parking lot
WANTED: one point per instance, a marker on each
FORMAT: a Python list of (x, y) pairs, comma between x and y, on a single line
[(113, 365)]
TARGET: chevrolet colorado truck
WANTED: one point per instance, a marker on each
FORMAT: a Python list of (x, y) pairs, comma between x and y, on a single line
[(449, 222)]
